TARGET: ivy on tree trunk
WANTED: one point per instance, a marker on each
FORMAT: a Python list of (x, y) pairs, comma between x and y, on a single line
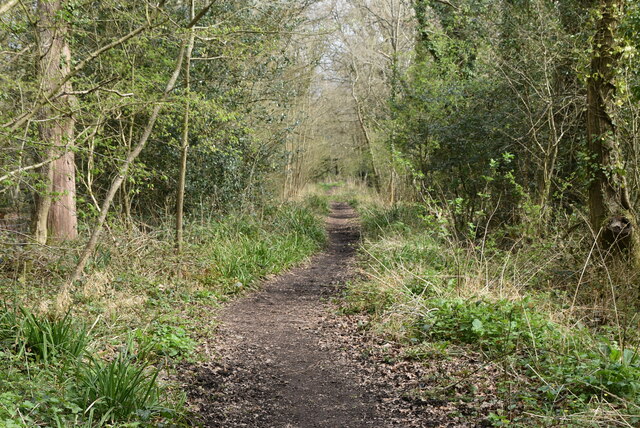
[(610, 211)]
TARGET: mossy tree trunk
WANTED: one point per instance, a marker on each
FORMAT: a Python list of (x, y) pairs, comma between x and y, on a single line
[(610, 210)]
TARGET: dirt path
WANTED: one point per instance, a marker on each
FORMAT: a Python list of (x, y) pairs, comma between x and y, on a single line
[(287, 362)]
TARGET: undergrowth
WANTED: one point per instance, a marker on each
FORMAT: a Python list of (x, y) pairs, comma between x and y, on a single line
[(441, 298), (140, 310)]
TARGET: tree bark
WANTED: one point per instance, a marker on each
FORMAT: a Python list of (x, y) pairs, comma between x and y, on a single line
[(610, 211), (55, 210)]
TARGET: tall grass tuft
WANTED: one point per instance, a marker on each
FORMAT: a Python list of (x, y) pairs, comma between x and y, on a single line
[(9, 327), (137, 282), (51, 338), (237, 252), (120, 390)]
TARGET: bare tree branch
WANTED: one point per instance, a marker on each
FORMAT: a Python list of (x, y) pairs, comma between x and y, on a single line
[(200, 14), (447, 3), (28, 168), (7, 6)]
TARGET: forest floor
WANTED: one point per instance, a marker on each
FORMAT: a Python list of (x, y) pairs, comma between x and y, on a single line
[(285, 357)]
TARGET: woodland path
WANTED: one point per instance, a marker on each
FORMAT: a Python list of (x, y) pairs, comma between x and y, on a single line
[(286, 360)]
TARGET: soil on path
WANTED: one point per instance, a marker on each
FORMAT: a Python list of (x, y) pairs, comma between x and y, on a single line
[(285, 359)]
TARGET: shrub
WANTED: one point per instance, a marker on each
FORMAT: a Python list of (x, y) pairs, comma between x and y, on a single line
[(432, 292), (166, 340), (497, 327)]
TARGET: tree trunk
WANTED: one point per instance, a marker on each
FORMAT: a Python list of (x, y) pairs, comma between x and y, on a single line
[(185, 137), (55, 210), (609, 208)]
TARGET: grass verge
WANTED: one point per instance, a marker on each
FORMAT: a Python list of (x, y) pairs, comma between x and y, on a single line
[(537, 361), (140, 310)]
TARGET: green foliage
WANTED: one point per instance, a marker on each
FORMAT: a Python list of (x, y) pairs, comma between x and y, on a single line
[(9, 327), (56, 372), (497, 327), (489, 79), (166, 340), (27, 398), (239, 94), (9, 417), (617, 372), (245, 248), (71, 386), (330, 186), (630, 50), (401, 218), (319, 204)]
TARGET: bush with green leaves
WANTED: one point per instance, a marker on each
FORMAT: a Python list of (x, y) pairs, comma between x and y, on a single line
[(579, 363), (497, 327), (165, 340)]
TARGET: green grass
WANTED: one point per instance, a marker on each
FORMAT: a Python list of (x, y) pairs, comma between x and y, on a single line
[(238, 252), (8, 328), (318, 203), (326, 186), (50, 377), (147, 308), (164, 340), (442, 298), (120, 390), (53, 338)]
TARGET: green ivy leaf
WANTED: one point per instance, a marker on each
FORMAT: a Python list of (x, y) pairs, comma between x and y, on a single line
[(477, 326)]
